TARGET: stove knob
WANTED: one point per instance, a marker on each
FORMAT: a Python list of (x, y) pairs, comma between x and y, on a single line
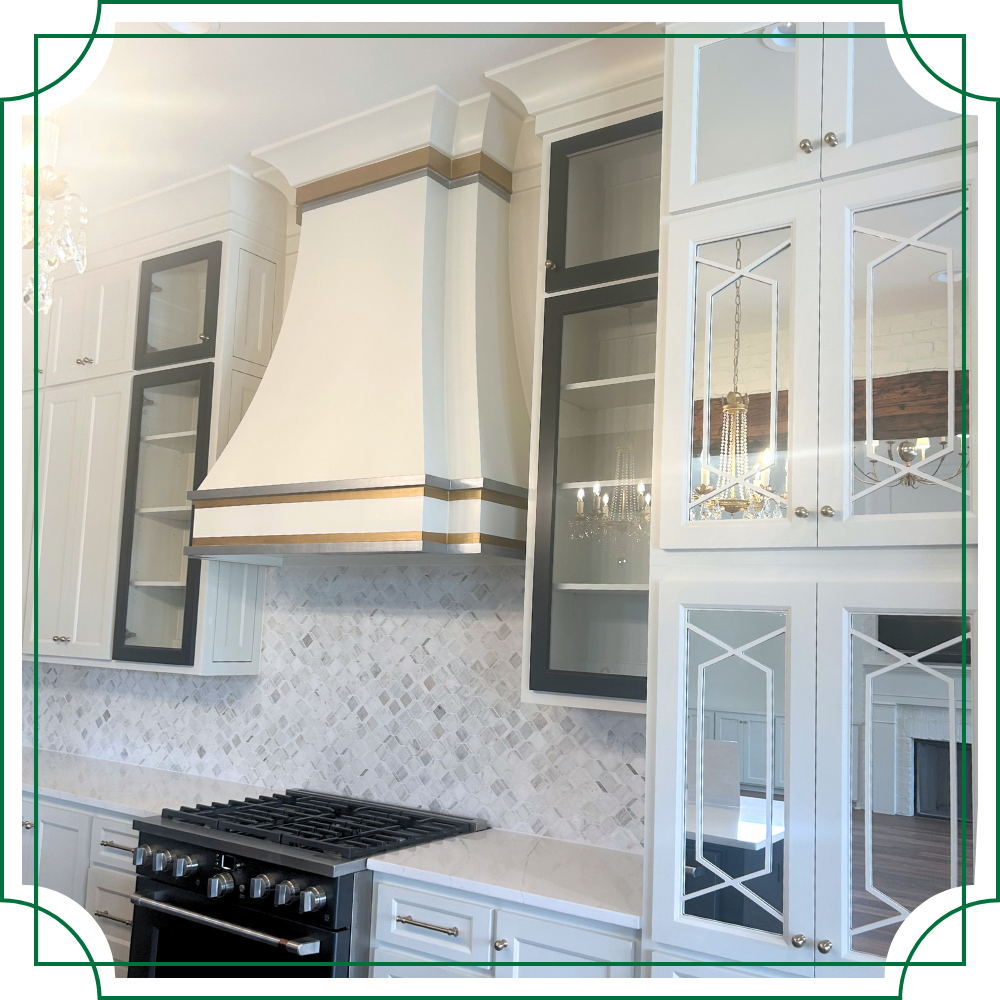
[(185, 865), (141, 855), (219, 885), (262, 886), (286, 892), (162, 860), (312, 900)]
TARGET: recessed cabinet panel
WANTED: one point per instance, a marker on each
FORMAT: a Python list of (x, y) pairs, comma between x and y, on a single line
[(242, 389), (236, 620), (254, 308), (90, 325), (591, 534), (741, 333), (604, 204), (871, 115), (81, 466), (746, 112), (168, 451), (178, 306)]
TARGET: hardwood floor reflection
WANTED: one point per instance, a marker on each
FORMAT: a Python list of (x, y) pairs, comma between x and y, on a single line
[(910, 863)]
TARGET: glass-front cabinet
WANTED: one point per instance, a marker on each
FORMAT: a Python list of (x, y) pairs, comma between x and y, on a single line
[(157, 605), (595, 450)]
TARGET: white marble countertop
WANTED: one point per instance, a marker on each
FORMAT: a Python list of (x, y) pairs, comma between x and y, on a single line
[(124, 788), (558, 875), (745, 827)]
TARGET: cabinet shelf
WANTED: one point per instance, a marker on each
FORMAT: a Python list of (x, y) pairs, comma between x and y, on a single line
[(606, 393), (181, 440), (158, 583), (602, 586), (179, 513)]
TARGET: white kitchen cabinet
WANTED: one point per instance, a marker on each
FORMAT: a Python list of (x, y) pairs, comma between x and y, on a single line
[(874, 116), (413, 922), (774, 292), (27, 498), (28, 364), (91, 325), (386, 970), (63, 853), (762, 112), (524, 938), (243, 387), (27, 847), (253, 336), (81, 469), (108, 900), (233, 616)]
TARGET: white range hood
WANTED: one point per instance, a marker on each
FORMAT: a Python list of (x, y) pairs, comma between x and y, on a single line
[(391, 418)]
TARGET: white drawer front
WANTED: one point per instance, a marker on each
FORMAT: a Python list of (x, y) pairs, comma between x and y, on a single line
[(457, 930), (108, 900), (534, 939), (108, 832), (388, 971)]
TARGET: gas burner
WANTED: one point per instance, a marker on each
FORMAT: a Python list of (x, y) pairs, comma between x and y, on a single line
[(329, 824)]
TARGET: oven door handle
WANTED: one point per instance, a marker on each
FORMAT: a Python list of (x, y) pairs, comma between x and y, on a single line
[(303, 946)]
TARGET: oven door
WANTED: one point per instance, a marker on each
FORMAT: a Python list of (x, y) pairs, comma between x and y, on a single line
[(172, 925)]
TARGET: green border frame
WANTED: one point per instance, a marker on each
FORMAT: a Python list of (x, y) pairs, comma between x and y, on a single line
[(65, 65)]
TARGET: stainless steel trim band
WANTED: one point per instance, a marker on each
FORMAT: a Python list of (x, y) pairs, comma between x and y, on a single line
[(335, 485)]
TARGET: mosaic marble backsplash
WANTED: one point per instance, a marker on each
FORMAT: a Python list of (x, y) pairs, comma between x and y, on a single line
[(400, 684)]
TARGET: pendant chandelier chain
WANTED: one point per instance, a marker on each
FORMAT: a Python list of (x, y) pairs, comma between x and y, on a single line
[(738, 318)]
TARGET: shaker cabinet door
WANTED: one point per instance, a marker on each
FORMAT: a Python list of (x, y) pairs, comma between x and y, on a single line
[(871, 115), (746, 112), (254, 308), (91, 324), (741, 331), (80, 475)]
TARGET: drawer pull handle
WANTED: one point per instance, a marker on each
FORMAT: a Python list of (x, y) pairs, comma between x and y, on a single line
[(117, 847), (450, 931), (109, 916), (26, 824)]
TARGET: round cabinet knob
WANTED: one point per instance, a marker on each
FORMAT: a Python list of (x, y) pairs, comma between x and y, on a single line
[(312, 900), (219, 885), (26, 824), (285, 892), (184, 865), (827, 511), (262, 886), (550, 265), (824, 947), (162, 861), (798, 940), (500, 945), (806, 146), (801, 512), (831, 138)]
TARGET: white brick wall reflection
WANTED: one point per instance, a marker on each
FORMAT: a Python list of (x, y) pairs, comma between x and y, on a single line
[(399, 684)]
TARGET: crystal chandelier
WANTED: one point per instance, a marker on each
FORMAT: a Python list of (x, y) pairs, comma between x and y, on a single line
[(737, 496), (57, 242), (619, 518)]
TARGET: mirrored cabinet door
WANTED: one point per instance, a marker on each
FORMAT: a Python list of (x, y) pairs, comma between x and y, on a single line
[(604, 204), (168, 456), (894, 771), (741, 333), (871, 115), (896, 464), (178, 306), (590, 578), (746, 111), (733, 865)]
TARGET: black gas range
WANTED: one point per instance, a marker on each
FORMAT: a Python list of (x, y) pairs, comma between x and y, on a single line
[(272, 886)]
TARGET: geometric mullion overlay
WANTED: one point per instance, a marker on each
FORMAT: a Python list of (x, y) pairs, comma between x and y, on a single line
[(909, 304), (876, 698), (721, 866)]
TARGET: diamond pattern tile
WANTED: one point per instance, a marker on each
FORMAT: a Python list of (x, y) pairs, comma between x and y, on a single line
[(400, 684)]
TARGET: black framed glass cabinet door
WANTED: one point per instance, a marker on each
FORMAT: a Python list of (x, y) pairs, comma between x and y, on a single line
[(156, 609), (590, 580)]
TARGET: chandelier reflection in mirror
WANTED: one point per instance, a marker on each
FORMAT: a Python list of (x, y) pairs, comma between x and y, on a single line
[(58, 243), (740, 490), (902, 455), (618, 516)]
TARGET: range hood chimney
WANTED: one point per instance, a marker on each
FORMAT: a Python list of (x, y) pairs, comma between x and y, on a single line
[(391, 418)]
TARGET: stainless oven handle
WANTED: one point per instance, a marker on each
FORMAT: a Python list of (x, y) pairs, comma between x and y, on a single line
[(304, 946)]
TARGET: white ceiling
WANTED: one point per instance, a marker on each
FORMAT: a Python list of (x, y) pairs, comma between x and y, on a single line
[(164, 110)]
